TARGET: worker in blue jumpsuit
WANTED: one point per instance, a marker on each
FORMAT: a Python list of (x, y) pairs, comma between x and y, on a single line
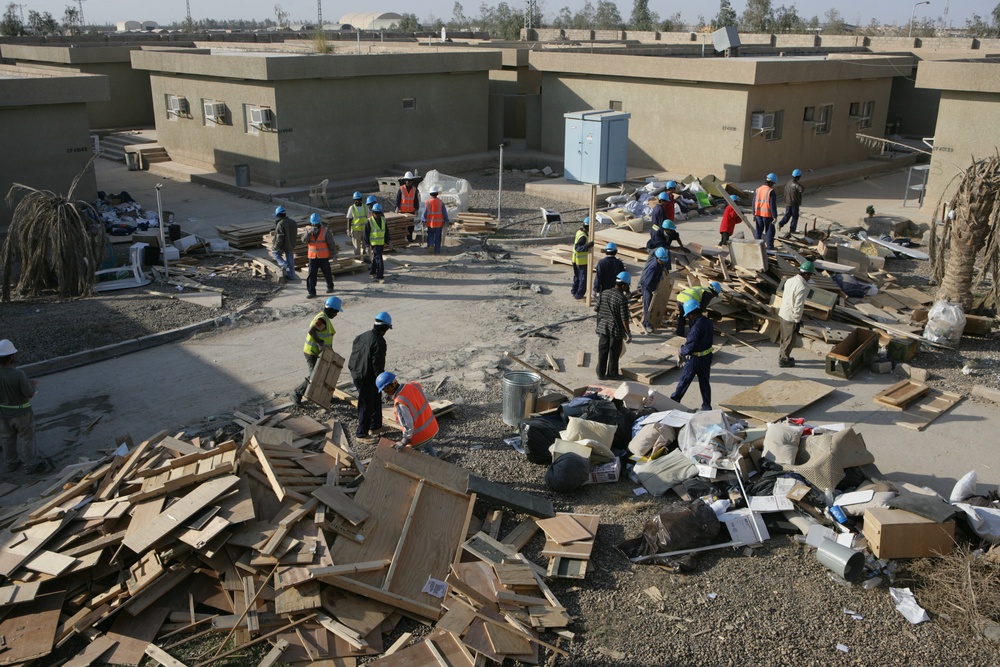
[(652, 273), (698, 352), (608, 269)]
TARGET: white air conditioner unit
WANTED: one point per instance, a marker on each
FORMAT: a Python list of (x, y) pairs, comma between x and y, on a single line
[(261, 117), (215, 111), (762, 121), (178, 105), (859, 119)]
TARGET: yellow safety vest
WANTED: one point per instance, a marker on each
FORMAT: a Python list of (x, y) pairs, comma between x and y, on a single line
[(579, 258), (376, 235), (692, 293), (313, 348), (358, 217)]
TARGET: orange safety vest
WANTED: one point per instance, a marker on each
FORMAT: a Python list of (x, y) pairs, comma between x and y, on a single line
[(408, 199), (425, 424), (434, 213), (317, 245), (762, 202)]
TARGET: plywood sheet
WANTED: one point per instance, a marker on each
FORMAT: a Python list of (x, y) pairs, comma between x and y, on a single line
[(901, 394), (781, 396), (134, 634), (179, 512), (564, 529), (30, 629), (930, 406)]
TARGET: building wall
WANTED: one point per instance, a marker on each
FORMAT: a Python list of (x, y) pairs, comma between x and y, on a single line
[(800, 147), (916, 109), (674, 127), (957, 141), (129, 106), (45, 147)]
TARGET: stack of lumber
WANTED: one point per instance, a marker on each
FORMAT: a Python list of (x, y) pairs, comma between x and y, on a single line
[(246, 236), (301, 257), (282, 536), (569, 542), (396, 226), (470, 223)]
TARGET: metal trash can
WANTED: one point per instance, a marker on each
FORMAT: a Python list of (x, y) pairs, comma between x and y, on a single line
[(242, 173), (132, 161), (517, 387)]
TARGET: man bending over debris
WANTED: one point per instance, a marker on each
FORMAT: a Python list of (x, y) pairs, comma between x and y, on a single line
[(320, 335), (413, 411), (698, 351), (17, 420)]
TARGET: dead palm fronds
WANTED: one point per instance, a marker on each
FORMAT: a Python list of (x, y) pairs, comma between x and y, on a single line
[(53, 242), (963, 585)]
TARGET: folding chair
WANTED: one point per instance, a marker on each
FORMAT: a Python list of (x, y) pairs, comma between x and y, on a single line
[(317, 194), (137, 279), (548, 219)]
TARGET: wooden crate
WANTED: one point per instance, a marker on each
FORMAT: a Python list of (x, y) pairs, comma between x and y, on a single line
[(855, 352)]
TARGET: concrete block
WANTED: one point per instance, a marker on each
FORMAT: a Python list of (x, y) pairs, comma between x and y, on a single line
[(990, 394), (912, 372), (882, 367)]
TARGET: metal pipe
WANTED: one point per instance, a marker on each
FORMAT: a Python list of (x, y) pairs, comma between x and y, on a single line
[(163, 236), (500, 184)]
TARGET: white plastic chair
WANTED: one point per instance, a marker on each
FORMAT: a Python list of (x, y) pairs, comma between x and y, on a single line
[(138, 277), (550, 218), (317, 194)]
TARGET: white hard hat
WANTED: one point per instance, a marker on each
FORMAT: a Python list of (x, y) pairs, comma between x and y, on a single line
[(408, 176), (435, 189), (7, 348)]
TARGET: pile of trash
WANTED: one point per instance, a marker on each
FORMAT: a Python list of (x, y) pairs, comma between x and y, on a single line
[(123, 215)]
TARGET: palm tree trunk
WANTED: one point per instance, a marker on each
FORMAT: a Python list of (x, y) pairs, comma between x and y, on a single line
[(965, 241)]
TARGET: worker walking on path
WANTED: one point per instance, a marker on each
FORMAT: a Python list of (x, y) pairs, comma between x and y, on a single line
[(367, 362), (612, 327), (17, 419), (657, 267), (408, 200), (321, 245), (607, 269), (697, 350), (375, 241), (662, 213), (581, 248), (700, 295), (793, 304), (765, 204), (357, 217), (435, 217), (319, 336), (413, 412), (793, 200), (730, 218), (286, 234)]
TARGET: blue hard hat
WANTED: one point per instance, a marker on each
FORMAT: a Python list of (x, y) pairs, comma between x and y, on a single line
[(624, 277), (671, 185), (669, 224), (663, 196), (661, 253), (734, 197), (383, 318), (371, 199), (384, 379), (716, 287), (586, 221), (335, 303), (314, 219), (377, 208), (773, 177), (690, 306), (611, 247), (279, 211), (796, 173), (357, 195)]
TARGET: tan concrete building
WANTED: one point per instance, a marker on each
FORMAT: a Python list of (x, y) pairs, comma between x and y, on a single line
[(46, 135), (296, 119), (737, 118), (968, 122), (130, 105)]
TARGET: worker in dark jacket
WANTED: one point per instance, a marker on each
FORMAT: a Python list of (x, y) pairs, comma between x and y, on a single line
[(612, 327), (697, 350), (283, 246), (581, 253), (793, 200), (366, 363), (656, 267), (607, 269)]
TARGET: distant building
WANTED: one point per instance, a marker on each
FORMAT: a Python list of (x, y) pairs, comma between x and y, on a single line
[(371, 20), (133, 26)]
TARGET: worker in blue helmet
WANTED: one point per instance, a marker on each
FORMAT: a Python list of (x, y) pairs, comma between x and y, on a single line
[(366, 363), (320, 248), (793, 200), (730, 218), (319, 337), (655, 283), (612, 326), (765, 207), (609, 267), (283, 243), (700, 295), (697, 356), (662, 211), (375, 240), (579, 258)]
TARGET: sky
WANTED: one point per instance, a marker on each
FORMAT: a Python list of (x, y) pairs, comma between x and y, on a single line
[(168, 11)]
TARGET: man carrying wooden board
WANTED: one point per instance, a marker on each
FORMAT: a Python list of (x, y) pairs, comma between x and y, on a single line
[(320, 335)]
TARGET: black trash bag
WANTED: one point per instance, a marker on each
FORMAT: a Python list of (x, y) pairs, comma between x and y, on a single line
[(680, 526), (568, 473), (606, 412), (697, 487), (538, 434)]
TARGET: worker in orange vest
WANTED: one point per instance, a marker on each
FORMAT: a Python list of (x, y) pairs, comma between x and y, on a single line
[(765, 205), (408, 200), (435, 217), (321, 246), (413, 412)]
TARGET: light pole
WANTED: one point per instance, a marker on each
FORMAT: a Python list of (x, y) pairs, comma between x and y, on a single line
[(914, 13), (163, 231)]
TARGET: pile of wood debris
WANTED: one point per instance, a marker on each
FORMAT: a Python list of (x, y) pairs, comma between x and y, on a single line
[(284, 537)]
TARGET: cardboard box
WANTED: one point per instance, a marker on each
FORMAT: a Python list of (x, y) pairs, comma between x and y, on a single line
[(606, 472), (549, 401), (901, 534), (632, 394)]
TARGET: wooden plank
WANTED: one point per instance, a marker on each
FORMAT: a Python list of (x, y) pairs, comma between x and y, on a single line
[(324, 378), (133, 634), (579, 550), (162, 657), (304, 425), (901, 394), (29, 630), (919, 415), (91, 653), (179, 512), (564, 529), (274, 654), (647, 369), (341, 504), (778, 397), (504, 494), (50, 563), (18, 592), (129, 465), (521, 534), (581, 359)]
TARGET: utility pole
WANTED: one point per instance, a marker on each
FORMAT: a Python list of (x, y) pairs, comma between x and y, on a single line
[(319, 14), (80, 3), (529, 16), (190, 23)]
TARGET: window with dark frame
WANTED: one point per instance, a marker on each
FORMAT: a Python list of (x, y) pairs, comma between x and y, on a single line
[(409, 103)]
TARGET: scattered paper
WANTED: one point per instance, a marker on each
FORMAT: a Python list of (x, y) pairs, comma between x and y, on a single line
[(853, 614), (854, 497), (674, 418), (832, 428), (906, 604), (770, 504), (435, 587), (122, 450), (843, 647), (818, 533), (712, 596), (640, 491), (516, 444)]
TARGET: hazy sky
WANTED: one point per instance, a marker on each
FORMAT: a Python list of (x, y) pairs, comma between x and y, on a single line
[(168, 11)]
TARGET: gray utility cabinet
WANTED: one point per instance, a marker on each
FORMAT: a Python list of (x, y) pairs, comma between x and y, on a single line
[(596, 146)]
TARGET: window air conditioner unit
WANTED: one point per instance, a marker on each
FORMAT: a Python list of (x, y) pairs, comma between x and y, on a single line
[(215, 111), (261, 117), (762, 121), (178, 105), (860, 119)]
